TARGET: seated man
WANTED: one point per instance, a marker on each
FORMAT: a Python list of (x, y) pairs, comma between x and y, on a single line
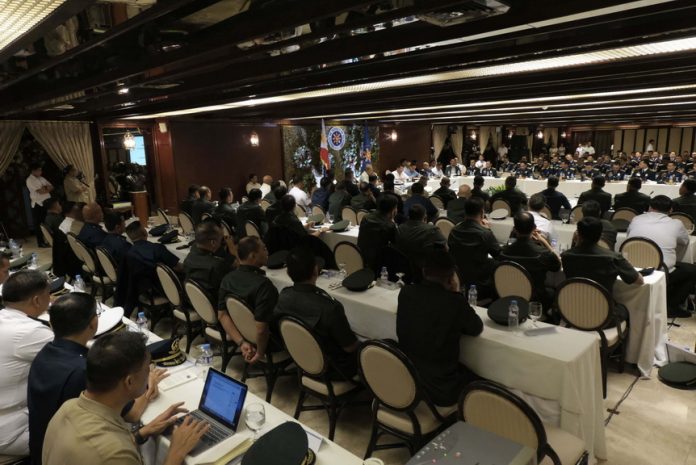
[(554, 199), (364, 200), (266, 185), (686, 202), (92, 234), (513, 196), (202, 205), (453, 168), (475, 248), (202, 264), (187, 205), (22, 336), (270, 196), (58, 372), (54, 215), (588, 260), (251, 211), (351, 187), (114, 242), (90, 429), (417, 237), (444, 192), (72, 213), (478, 191), (274, 208), (672, 238), (253, 183), (597, 194), (431, 317), (534, 253), (224, 211), (456, 208), (339, 199), (320, 196), (388, 189), (298, 191), (633, 198), (321, 312), (537, 203), (590, 209), (417, 198), (250, 284), (377, 231)]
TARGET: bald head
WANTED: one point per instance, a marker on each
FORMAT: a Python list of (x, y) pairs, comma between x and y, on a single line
[(267, 179), (92, 213), (464, 191)]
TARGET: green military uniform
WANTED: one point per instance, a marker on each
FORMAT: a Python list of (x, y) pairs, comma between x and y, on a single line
[(251, 285), (685, 204), (376, 233), (471, 244), (206, 268), (250, 212), (455, 210), (446, 194), (337, 201), (362, 202), (326, 316)]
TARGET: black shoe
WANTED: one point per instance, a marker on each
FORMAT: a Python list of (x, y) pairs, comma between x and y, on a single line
[(678, 313)]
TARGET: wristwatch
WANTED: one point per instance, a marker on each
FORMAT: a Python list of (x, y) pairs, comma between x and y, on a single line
[(139, 439)]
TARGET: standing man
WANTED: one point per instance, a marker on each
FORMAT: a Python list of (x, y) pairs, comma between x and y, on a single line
[(39, 191), (75, 190)]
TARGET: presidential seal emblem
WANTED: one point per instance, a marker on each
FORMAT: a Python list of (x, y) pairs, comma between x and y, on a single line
[(337, 138)]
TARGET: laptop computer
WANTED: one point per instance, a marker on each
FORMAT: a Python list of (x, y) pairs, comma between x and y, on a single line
[(220, 406)]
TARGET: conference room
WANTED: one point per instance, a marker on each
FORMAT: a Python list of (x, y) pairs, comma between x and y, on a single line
[(389, 232)]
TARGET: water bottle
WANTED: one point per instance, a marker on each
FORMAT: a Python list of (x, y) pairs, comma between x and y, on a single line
[(33, 261), (554, 245), (205, 360), (141, 321), (79, 284), (513, 316), (473, 295), (14, 248), (384, 276)]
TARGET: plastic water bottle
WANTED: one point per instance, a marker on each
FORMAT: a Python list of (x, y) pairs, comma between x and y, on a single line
[(384, 276), (33, 261), (513, 316), (141, 321), (14, 248), (205, 360), (554, 245), (79, 284), (473, 295)]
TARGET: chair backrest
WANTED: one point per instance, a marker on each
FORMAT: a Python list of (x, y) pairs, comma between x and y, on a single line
[(575, 214), (389, 374), (76, 227), (170, 284), (641, 252), (625, 214), (264, 204), (445, 225), (242, 317), (226, 230), (72, 241), (186, 223), (244, 199), (500, 204), (685, 218), (303, 346), (349, 213), (511, 279), (87, 257), (200, 302), (349, 254), (107, 263), (251, 229), (491, 407), (546, 212), (300, 212), (317, 210), (360, 215), (163, 216), (604, 244), (47, 234), (437, 201), (584, 303), (205, 216)]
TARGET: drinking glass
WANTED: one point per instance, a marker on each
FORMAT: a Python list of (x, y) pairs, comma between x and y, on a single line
[(400, 282), (565, 216), (535, 310), (255, 417), (342, 271)]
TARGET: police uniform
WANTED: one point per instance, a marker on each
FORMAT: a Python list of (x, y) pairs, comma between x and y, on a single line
[(92, 235), (326, 316), (644, 174), (117, 246), (567, 173), (615, 175), (547, 171), (671, 177), (206, 268), (490, 172), (471, 244), (450, 171), (524, 173)]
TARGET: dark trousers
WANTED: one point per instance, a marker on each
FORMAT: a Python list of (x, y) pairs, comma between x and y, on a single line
[(680, 284), (39, 215)]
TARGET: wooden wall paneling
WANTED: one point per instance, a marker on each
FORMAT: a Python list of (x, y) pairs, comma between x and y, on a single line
[(413, 143), (641, 141), (661, 141), (166, 187), (618, 140), (629, 140), (650, 134), (687, 139), (674, 141)]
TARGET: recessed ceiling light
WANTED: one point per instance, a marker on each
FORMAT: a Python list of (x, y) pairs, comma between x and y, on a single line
[(123, 90), (17, 17)]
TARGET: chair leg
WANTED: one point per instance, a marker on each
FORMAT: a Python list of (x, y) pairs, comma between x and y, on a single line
[(189, 337), (245, 372), (271, 377), (604, 361), (333, 419), (300, 403), (225, 357), (373, 440)]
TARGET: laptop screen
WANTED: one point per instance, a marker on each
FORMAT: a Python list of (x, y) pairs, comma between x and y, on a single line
[(223, 398)]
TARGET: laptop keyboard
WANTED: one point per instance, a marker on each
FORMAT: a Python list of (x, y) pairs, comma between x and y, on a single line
[(214, 435)]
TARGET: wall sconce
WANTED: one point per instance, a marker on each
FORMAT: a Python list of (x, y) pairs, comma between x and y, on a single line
[(473, 135), (393, 136), (128, 141), (510, 134), (563, 134), (254, 139), (540, 134)]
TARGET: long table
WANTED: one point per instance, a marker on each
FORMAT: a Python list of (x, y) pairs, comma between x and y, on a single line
[(559, 373)]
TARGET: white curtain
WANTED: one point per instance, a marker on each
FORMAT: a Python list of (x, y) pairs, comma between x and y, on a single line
[(439, 132), (67, 143), (10, 136), (457, 140)]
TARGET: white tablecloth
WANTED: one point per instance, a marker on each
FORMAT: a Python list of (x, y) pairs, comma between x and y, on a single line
[(559, 373)]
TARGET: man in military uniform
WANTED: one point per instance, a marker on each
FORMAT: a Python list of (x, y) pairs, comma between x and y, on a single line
[(615, 173), (644, 172), (321, 312), (523, 171), (513, 196), (456, 208), (251, 211), (92, 234), (547, 170), (566, 172), (488, 170), (377, 231), (632, 198), (250, 284), (115, 242), (588, 171), (202, 264), (202, 205), (444, 192), (597, 194), (554, 199), (417, 236), (686, 202), (671, 175)]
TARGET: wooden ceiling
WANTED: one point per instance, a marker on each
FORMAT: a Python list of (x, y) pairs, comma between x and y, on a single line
[(183, 54)]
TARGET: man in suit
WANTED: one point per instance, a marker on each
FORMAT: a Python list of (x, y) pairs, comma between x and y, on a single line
[(92, 234), (444, 192), (513, 196), (597, 194), (632, 198), (686, 202)]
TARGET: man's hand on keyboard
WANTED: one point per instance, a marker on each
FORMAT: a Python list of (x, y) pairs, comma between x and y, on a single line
[(163, 421), (185, 437)]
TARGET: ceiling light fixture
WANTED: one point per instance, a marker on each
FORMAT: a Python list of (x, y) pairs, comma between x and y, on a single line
[(393, 136), (123, 90), (542, 64), (563, 134), (128, 141), (473, 134), (19, 16), (254, 139), (540, 134)]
